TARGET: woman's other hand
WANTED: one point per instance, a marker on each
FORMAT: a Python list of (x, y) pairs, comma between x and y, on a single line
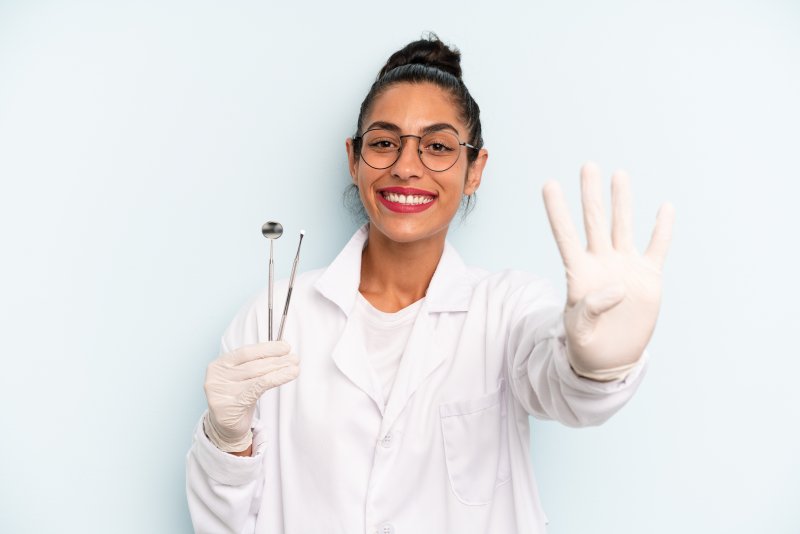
[(234, 383), (613, 291)]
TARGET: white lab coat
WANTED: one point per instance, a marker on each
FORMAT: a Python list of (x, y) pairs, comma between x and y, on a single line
[(448, 451)]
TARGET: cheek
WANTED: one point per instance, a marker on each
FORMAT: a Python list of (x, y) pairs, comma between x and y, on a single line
[(462, 181), (363, 180)]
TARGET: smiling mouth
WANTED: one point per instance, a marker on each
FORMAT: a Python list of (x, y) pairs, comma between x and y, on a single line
[(407, 200)]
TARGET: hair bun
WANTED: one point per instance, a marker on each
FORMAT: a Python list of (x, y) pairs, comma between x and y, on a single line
[(429, 51)]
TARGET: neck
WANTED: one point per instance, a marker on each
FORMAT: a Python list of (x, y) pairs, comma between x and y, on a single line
[(395, 275)]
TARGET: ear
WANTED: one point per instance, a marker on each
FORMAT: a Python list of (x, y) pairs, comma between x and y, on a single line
[(475, 172), (352, 160)]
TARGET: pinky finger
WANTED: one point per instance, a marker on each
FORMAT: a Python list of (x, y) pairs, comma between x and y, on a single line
[(662, 235)]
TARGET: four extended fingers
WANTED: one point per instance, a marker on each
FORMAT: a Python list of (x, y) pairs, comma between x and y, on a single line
[(597, 234)]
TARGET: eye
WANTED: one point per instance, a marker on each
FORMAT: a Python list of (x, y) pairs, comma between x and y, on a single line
[(438, 144), (382, 144), (381, 141)]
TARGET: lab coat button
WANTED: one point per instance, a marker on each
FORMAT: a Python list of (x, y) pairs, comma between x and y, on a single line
[(386, 528), (387, 442)]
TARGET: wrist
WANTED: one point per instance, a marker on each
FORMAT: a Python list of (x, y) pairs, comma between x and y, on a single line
[(603, 375), (248, 452), (237, 445)]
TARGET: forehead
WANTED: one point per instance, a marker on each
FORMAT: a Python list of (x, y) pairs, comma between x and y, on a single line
[(413, 106)]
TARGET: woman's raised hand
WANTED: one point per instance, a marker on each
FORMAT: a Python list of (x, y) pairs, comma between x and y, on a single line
[(613, 292), (234, 383)]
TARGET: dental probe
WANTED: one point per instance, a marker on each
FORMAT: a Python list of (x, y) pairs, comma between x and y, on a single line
[(291, 284)]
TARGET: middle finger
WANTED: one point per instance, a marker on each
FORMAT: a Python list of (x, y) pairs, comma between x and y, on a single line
[(594, 216)]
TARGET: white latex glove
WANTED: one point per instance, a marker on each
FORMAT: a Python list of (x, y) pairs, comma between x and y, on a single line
[(613, 292), (234, 383)]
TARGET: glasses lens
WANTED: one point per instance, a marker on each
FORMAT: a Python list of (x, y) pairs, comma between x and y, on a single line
[(439, 150), (380, 149)]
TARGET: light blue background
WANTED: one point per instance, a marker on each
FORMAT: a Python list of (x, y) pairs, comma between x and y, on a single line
[(142, 144)]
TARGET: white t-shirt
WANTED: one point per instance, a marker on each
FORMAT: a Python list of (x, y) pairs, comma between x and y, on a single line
[(385, 338)]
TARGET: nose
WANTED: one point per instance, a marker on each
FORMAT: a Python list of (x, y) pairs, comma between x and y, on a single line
[(408, 164)]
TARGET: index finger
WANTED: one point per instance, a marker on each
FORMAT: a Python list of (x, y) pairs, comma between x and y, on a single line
[(248, 353), (564, 231)]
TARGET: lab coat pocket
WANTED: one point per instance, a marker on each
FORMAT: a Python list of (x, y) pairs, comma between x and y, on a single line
[(476, 446)]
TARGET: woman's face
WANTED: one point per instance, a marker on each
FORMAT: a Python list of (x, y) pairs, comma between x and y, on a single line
[(410, 109)]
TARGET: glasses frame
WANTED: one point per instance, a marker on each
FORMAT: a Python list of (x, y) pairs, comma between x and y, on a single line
[(360, 138)]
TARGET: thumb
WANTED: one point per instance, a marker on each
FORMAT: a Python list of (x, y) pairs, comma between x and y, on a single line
[(601, 301), (591, 307)]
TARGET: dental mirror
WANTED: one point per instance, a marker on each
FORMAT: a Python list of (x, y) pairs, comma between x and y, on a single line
[(271, 230)]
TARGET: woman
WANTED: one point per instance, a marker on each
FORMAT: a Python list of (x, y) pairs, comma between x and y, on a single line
[(419, 373)]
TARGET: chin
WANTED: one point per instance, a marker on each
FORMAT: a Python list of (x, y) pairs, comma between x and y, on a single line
[(407, 231)]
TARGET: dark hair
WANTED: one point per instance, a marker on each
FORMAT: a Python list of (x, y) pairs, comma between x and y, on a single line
[(427, 60)]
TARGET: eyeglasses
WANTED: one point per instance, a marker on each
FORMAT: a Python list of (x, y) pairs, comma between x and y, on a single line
[(438, 151)]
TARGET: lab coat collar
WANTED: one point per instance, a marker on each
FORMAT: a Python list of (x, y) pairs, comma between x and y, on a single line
[(450, 289)]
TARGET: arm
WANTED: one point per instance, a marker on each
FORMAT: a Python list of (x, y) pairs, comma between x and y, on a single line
[(580, 365), (223, 483), (222, 489), (540, 375)]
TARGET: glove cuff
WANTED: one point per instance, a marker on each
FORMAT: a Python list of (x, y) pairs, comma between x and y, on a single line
[(605, 375), (223, 444)]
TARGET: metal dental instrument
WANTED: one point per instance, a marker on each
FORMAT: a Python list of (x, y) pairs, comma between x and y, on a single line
[(272, 231), (291, 284)]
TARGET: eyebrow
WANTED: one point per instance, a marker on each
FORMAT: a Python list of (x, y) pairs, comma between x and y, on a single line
[(383, 125)]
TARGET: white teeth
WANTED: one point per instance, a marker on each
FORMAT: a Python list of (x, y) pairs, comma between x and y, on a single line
[(407, 199)]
